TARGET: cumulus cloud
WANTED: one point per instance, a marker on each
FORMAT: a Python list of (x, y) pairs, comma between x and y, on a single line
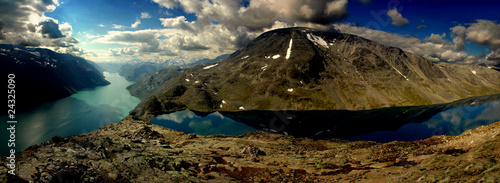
[(433, 47), (437, 38), (145, 15), (178, 22), (51, 29), (260, 14), (482, 32), (116, 26), (397, 18), (458, 34), (122, 51), (146, 40), (220, 26), (135, 24), (23, 22)]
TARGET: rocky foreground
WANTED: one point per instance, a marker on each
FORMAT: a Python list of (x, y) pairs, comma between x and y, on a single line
[(134, 151)]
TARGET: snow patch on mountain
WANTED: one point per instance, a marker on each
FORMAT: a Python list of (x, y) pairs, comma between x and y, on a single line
[(317, 40), (289, 51), (210, 66)]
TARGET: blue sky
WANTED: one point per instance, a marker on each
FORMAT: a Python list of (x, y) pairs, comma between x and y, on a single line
[(113, 30)]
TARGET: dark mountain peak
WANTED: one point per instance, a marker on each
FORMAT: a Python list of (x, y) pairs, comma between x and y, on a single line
[(308, 69), (43, 75)]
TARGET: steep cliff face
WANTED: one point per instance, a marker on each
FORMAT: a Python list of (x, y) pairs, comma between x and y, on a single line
[(307, 69), (42, 75)]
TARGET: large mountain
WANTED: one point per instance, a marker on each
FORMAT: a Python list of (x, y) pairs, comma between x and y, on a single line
[(42, 75), (154, 82), (307, 69)]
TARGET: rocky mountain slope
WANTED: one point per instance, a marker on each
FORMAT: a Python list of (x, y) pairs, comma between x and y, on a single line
[(135, 151), (307, 69), (152, 83), (136, 69), (42, 75)]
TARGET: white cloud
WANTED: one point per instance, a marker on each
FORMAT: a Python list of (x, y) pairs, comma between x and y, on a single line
[(122, 51), (220, 27), (482, 32), (437, 38), (116, 26), (136, 23), (100, 25), (433, 47), (90, 36), (336, 8), (260, 14), (24, 23), (145, 15), (397, 18), (178, 22)]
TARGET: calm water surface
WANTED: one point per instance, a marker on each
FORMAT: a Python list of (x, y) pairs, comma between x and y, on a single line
[(381, 125), (81, 112), (88, 110)]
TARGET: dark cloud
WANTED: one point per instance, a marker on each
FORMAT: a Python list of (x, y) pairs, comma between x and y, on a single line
[(51, 29), (222, 26), (193, 47), (168, 53), (15, 15), (152, 46), (28, 41), (365, 2), (260, 14), (65, 42), (23, 22), (397, 18)]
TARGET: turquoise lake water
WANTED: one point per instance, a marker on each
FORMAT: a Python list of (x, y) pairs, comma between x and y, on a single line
[(81, 112)]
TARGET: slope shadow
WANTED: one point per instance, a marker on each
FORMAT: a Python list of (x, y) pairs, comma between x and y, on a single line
[(343, 123)]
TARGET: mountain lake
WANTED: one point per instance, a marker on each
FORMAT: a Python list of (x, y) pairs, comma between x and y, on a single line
[(82, 112), (87, 110)]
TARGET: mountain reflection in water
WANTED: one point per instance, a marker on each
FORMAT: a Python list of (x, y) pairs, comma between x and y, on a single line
[(381, 125)]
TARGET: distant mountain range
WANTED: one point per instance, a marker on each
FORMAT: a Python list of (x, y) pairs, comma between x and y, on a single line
[(133, 70), (42, 75), (308, 69)]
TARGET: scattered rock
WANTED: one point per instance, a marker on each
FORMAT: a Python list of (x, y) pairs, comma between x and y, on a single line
[(150, 153)]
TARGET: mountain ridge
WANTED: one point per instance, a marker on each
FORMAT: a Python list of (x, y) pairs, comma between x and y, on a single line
[(308, 69), (42, 75), (135, 70)]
